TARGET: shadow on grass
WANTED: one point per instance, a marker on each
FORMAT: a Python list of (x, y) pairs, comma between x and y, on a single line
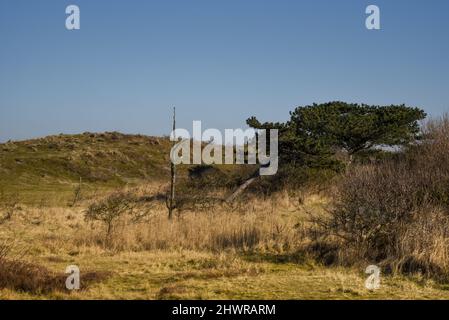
[(296, 257), (318, 252)]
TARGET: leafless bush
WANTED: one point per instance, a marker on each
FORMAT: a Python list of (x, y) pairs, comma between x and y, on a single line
[(20, 275), (397, 211), (110, 209)]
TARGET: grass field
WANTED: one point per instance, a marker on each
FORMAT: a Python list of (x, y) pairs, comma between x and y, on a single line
[(56, 238), (249, 252), (200, 275)]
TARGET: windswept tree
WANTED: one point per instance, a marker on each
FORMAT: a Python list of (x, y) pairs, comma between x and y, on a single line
[(314, 133)]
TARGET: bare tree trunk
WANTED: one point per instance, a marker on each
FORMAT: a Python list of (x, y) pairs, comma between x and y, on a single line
[(240, 189), (244, 186), (173, 176), (351, 159)]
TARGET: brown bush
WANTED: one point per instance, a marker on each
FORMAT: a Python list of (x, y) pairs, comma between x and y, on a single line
[(115, 206), (17, 274), (396, 212)]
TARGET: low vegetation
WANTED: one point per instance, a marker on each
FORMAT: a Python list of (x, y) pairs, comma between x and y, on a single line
[(50, 169), (308, 232), (395, 212)]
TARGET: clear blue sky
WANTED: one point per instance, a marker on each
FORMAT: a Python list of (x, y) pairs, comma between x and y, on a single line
[(219, 61)]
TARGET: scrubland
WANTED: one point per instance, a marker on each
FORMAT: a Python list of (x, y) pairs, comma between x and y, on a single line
[(256, 252), (306, 243)]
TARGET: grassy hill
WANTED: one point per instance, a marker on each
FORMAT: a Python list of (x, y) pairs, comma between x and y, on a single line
[(48, 170), (54, 165)]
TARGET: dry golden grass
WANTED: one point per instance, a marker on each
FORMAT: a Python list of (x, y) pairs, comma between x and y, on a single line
[(246, 252), (254, 225)]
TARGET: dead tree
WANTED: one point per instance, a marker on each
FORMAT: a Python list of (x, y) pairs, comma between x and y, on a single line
[(245, 185), (171, 204)]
